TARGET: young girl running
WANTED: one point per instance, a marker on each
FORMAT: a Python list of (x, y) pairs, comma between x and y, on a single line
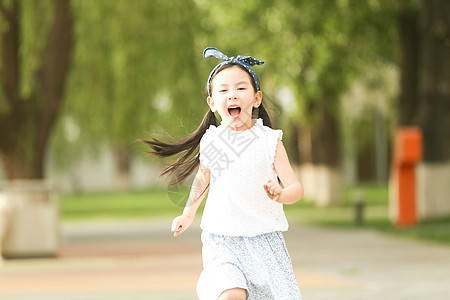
[(239, 163)]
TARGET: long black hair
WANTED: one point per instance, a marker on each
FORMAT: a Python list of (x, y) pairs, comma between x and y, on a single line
[(187, 148)]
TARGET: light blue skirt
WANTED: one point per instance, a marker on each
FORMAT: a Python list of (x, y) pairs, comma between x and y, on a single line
[(260, 264)]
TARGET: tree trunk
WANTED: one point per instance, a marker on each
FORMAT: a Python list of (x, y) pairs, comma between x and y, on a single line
[(434, 112), (123, 168), (13, 108), (25, 124), (408, 101), (305, 168), (320, 154), (325, 137), (434, 90), (326, 155)]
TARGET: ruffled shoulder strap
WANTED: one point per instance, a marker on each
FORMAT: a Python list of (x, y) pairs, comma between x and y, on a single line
[(209, 132), (273, 136), (258, 122)]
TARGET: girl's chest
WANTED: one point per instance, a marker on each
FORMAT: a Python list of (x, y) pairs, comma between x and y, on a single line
[(238, 155)]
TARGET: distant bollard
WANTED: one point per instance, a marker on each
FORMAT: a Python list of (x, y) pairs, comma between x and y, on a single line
[(359, 208), (32, 229), (407, 152)]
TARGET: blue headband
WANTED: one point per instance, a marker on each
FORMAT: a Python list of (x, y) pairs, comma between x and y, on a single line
[(246, 61)]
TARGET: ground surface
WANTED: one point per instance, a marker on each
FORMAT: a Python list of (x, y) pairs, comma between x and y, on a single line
[(142, 260)]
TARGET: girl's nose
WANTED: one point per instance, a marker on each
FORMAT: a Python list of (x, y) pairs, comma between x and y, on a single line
[(231, 95)]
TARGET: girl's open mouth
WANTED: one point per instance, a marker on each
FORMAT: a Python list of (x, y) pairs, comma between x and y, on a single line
[(234, 111)]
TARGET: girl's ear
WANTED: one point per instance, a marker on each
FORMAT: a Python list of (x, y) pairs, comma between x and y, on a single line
[(211, 103), (258, 99)]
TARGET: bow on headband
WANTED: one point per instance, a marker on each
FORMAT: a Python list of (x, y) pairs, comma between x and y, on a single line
[(245, 61)]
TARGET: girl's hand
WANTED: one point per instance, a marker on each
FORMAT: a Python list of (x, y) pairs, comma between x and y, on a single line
[(273, 190), (180, 224)]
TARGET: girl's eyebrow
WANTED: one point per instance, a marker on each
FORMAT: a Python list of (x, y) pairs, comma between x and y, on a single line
[(238, 83)]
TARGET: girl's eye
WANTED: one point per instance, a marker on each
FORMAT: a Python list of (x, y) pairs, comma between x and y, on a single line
[(222, 91), (241, 89)]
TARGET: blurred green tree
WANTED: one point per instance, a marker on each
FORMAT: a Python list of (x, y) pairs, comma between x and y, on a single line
[(135, 68), (36, 43)]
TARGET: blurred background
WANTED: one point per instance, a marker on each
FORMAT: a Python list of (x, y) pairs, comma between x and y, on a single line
[(82, 80), (361, 90)]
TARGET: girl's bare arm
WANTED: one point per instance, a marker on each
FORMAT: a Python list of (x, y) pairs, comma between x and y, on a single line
[(293, 189), (199, 189)]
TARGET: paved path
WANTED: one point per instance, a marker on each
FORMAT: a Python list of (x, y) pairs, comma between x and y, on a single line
[(141, 260)]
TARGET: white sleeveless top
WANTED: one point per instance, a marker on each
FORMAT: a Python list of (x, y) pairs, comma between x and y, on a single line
[(240, 162)]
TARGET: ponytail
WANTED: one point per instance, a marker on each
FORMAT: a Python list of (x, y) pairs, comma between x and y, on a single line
[(262, 114), (187, 147)]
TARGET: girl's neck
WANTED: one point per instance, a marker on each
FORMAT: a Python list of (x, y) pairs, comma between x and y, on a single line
[(243, 127)]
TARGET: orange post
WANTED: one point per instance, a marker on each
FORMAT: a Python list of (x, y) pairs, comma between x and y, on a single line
[(407, 153)]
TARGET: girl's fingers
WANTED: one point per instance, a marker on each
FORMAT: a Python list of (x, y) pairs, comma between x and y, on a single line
[(179, 225), (178, 230), (268, 191), (272, 187), (268, 184), (174, 225)]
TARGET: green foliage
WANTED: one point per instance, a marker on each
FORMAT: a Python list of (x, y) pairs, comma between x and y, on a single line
[(36, 21), (157, 202), (116, 205), (134, 68), (317, 48), (138, 67)]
